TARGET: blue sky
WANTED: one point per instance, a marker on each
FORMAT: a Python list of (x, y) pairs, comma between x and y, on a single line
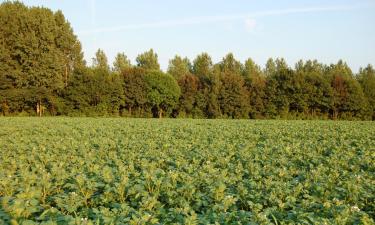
[(293, 29)]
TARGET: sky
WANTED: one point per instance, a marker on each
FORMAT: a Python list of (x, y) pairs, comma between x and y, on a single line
[(326, 30)]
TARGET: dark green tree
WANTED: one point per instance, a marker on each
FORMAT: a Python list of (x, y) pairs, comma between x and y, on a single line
[(40, 51), (366, 78), (317, 88), (255, 83), (278, 84), (348, 98), (95, 92), (135, 91), (209, 77), (189, 85), (233, 96), (163, 92)]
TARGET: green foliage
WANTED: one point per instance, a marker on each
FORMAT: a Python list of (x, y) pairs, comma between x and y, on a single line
[(255, 83), (43, 73), (179, 67), (94, 92), (100, 61), (319, 93), (366, 78), (229, 65), (348, 98), (148, 60), (135, 91), (189, 85), (233, 95), (144, 171), (39, 52), (163, 91), (121, 63), (202, 66)]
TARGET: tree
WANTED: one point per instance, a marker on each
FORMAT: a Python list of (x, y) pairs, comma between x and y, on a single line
[(100, 61), (95, 92), (209, 77), (40, 52), (366, 78), (230, 65), (148, 60), (255, 83), (163, 92), (202, 66), (179, 67), (71, 48), (278, 84), (135, 90), (233, 96), (121, 63), (42, 71), (270, 67), (296, 91), (348, 98), (189, 85), (317, 88)]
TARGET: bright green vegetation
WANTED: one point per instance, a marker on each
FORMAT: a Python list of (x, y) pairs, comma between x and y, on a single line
[(149, 171)]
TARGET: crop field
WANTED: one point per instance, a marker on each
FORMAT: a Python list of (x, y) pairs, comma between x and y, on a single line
[(172, 171)]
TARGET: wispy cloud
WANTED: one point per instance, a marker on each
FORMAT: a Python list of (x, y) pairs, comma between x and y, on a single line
[(250, 24), (221, 18)]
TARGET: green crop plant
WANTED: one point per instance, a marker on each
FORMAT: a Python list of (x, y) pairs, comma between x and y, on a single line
[(175, 171)]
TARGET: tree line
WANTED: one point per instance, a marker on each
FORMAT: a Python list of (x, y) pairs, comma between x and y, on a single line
[(43, 72)]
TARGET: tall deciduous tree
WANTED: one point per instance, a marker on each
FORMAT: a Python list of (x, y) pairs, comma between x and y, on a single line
[(189, 85), (163, 92), (278, 85), (148, 60), (229, 65), (255, 83), (317, 88), (94, 92), (348, 97), (121, 63), (202, 66), (179, 67), (209, 77), (100, 61), (366, 78), (135, 91), (40, 52), (233, 96)]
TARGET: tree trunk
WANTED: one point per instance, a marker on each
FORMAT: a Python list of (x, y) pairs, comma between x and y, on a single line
[(5, 108), (160, 113), (130, 110), (66, 75), (39, 108), (335, 114)]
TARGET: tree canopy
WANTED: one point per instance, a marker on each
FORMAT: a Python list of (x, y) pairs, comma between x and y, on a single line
[(42, 72)]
